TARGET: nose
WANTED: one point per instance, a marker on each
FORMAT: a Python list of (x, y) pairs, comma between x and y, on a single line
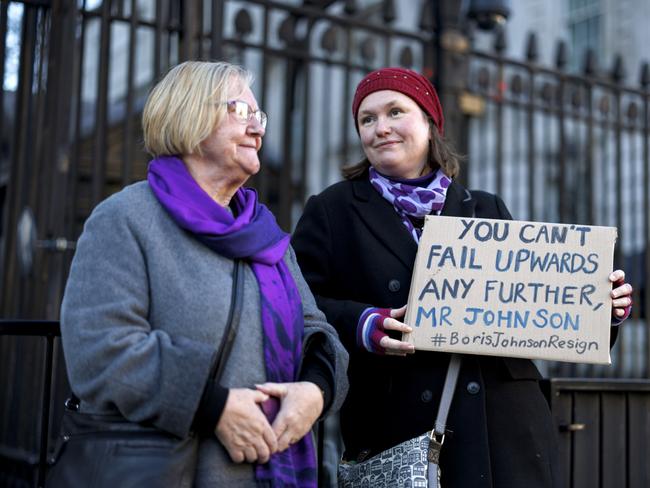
[(255, 128), (382, 126)]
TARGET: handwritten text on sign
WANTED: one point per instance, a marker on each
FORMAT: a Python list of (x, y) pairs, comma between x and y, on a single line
[(511, 288)]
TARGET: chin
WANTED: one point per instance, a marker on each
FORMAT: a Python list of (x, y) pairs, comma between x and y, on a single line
[(253, 170)]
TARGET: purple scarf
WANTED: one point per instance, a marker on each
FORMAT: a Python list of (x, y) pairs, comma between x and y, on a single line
[(410, 199), (252, 233)]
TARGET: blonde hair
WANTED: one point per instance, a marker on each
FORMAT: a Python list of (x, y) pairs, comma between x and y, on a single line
[(187, 104)]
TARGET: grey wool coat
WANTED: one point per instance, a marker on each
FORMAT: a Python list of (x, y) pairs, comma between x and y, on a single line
[(143, 313)]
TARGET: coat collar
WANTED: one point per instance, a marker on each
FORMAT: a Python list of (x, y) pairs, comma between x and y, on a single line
[(458, 202), (383, 221)]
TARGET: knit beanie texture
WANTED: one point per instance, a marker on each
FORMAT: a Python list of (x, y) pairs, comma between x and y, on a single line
[(405, 81)]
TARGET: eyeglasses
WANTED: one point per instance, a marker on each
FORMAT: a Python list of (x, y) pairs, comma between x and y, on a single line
[(245, 112)]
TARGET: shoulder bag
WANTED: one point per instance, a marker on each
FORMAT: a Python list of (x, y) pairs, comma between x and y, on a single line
[(411, 463), (108, 451)]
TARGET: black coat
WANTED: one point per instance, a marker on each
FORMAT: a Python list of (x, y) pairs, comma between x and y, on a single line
[(355, 252)]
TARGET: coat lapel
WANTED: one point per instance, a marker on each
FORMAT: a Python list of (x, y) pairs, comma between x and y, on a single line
[(386, 225), (383, 221), (458, 202)]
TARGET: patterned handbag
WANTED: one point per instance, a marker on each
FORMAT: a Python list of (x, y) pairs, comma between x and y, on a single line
[(414, 462)]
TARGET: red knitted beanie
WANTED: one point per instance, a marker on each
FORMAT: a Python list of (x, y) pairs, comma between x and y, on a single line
[(406, 81)]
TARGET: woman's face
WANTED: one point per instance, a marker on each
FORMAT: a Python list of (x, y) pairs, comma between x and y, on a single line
[(394, 134), (234, 143)]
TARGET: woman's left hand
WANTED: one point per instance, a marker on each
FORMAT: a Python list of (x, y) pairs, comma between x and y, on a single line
[(621, 296), (301, 404)]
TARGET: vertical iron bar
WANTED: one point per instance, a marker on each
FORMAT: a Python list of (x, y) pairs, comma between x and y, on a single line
[(59, 110), (157, 41), (589, 173), (560, 174), (216, 34), (4, 19), (618, 161), (263, 182), (45, 409), (590, 153), (345, 126), (189, 30), (618, 165), (198, 38), (99, 153), (325, 111), (305, 124), (633, 234), (547, 163), (530, 128), (387, 51), (129, 136), (646, 225), (286, 170), (73, 209), (499, 127), (43, 185)]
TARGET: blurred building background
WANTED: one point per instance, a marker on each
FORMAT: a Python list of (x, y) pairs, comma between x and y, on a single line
[(551, 109)]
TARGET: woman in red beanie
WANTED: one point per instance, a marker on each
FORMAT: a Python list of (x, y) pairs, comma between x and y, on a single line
[(356, 245)]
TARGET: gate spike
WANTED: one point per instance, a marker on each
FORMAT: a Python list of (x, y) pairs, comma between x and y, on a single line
[(350, 7), (532, 52), (618, 70), (560, 55), (500, 41), (426, 17), (645, 76), (388, 11), (590, 66)]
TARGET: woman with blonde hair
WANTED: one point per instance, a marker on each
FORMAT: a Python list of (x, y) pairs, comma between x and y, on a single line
[(148, 295)]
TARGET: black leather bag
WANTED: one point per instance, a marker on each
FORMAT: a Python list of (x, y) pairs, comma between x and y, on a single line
[(108, 451)]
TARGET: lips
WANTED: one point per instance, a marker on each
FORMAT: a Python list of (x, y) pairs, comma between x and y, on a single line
[(250, 146), (386, 144)]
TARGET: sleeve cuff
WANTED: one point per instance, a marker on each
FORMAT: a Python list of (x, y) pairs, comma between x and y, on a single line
[(316, 369), (210, 409)]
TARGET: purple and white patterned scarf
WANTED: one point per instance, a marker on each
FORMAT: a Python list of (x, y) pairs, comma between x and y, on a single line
[(410, 200), (251, 233)]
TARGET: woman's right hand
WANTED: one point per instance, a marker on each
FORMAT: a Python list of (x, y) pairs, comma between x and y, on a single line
[(372, 331), (243, 428)]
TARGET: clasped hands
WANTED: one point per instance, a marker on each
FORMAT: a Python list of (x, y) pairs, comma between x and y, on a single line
[(387, 319), (247, 434)]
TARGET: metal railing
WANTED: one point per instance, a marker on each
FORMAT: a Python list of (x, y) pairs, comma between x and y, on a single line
[(41, 398), (561, 146)]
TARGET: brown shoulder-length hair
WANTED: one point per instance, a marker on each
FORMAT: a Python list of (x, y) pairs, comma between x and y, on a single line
[(442, 154)]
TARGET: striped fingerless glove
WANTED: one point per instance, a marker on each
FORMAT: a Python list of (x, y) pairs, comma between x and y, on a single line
[(370, 329)]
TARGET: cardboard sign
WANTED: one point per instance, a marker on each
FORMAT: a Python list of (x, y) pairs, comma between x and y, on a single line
[(512, 288)]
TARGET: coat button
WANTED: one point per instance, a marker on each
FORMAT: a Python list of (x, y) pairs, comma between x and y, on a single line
[(394, 285), (426, 396), (473, 387)]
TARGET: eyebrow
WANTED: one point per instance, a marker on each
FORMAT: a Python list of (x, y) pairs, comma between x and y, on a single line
[(389, 104)]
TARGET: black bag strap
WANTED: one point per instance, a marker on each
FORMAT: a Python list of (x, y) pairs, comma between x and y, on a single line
[(234, 316)]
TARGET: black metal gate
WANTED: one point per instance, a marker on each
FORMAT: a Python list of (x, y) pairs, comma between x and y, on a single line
[(72, 135), (574, 148)]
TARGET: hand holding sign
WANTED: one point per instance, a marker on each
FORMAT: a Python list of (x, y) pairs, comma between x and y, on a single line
[(372, 336), (621, 296)]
